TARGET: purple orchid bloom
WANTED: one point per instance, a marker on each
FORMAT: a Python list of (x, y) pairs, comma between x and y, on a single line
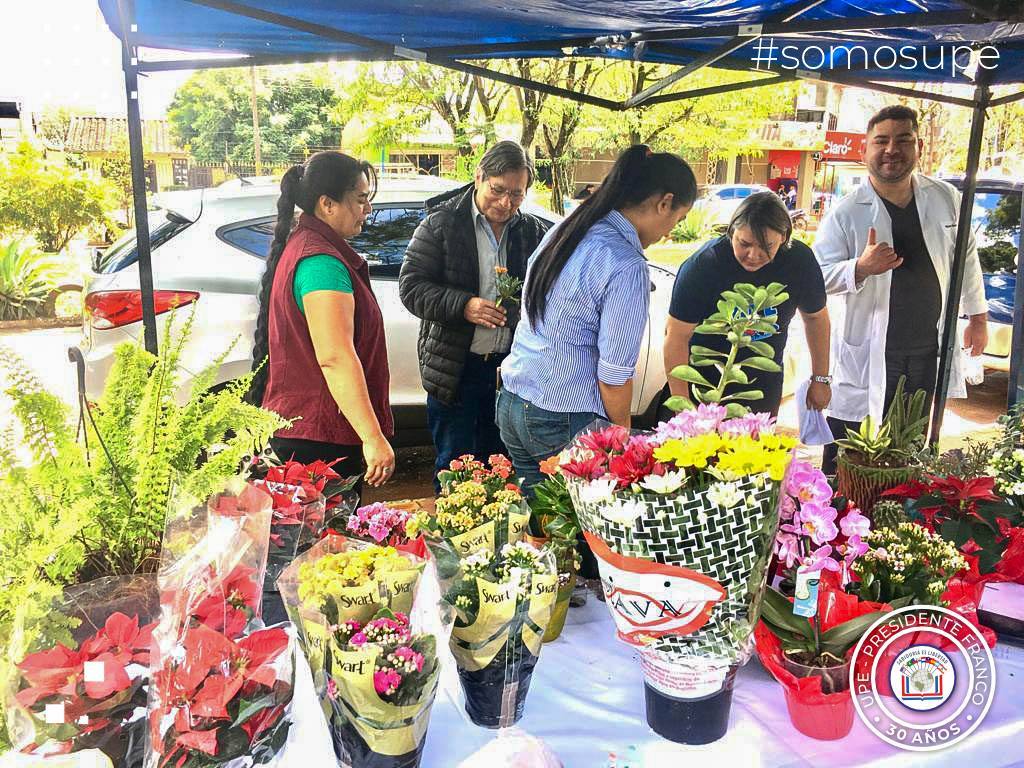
[(855, 524), (787, 548), (817, 521), (821, 559)]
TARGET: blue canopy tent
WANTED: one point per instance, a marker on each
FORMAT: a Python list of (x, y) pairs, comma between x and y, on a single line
[(740, 35)]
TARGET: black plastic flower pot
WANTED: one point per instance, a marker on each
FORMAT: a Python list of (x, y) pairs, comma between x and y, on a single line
[(350, 746), (496, 694), (690, 721)]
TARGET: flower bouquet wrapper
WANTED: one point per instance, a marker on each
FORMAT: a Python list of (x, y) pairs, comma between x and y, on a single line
[(297, 522), (369, 732), (490, 536), (217, 701), (496, 651), (683, 579), (394, 590), (214, 560), (79, 680)]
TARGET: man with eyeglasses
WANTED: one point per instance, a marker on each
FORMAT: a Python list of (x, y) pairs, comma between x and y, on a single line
[(449, 280)]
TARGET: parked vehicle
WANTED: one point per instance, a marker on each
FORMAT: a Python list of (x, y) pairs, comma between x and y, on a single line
[(995, 220), (722, 200), (209, 248)]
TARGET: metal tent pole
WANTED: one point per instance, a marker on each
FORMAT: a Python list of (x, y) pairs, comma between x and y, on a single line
[(952, 311), (1015, 390), (130, 62)]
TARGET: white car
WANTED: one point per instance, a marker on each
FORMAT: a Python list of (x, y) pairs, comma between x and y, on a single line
[(722, 200), (208, 252)]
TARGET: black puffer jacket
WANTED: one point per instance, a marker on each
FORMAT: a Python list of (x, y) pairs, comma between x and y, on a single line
[(441, 273)]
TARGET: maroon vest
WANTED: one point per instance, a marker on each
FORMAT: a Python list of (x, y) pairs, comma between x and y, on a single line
[(296, 387)]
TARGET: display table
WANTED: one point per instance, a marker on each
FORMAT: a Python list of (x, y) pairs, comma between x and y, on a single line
[(586, 702)]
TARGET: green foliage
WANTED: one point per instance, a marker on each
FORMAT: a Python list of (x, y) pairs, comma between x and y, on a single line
[(117, 170), (85, 510), (999, 256), (211, 114), (1004, 219), (698, 226), (797, 635), (898, 441), (738, 317), (48, 199), (967, 463), (26, 279)]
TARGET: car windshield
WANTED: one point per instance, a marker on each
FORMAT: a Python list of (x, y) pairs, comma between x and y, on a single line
[(995, 220)]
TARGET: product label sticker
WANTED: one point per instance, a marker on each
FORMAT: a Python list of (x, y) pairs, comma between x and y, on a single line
[(648, 600), (805, 602)]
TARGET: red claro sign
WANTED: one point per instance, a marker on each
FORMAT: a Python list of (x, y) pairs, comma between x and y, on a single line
[(843, 146)]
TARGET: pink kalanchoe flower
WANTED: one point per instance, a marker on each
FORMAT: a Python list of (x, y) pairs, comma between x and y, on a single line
[(817, 521), (855, 524), (821, 559), (787, 547), (407, 654), (386, 681), (332, 688), (359, 638)]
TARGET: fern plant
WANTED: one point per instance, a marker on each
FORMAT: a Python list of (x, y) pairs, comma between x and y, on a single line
[(95, 507)]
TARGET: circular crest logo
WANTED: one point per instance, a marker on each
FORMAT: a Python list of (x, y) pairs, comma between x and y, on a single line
[(922, 678)]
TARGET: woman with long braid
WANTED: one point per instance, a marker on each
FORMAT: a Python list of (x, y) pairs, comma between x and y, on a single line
[(321, 327)]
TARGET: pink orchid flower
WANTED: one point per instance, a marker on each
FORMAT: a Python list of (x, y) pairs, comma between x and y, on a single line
[(855, 524), (817, 521)]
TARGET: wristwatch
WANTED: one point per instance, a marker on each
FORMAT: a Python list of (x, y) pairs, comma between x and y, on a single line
[(822, 379)]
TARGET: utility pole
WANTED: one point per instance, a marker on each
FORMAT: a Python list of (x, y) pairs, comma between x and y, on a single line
[(256, 124)]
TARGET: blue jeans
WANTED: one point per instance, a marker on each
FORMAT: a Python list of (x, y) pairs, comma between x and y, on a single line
[(533, 434), (467, 425)]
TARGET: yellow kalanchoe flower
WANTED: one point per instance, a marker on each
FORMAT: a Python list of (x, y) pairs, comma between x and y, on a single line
[(348, 569)]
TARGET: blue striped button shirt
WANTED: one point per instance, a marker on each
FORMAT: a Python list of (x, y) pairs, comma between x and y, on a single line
[(593, 325)]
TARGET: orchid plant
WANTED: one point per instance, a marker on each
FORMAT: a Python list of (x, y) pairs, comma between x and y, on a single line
[(807, 544)]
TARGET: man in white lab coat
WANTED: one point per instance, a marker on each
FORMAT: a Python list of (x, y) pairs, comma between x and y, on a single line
[(886, 252)]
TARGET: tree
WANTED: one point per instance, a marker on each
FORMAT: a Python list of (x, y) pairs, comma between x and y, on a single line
[(49, 200), (117, 170), (55, 126), (450, 94), (722, 125), (211, 114)]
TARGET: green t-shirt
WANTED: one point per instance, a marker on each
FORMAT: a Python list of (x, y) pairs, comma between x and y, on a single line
[(321, 272)]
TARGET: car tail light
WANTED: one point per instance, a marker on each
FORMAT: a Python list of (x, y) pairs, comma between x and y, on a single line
[(112, 309)]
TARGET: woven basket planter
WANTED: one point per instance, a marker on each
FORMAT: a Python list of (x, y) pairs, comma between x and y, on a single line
[(864, 486)]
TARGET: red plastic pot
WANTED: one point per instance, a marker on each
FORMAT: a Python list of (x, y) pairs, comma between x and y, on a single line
[(828, 720)]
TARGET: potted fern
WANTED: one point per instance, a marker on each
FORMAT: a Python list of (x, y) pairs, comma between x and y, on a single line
[(90, 502), (878, 457)]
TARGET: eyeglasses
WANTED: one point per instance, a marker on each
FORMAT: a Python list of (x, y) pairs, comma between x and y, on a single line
[(499, 192)]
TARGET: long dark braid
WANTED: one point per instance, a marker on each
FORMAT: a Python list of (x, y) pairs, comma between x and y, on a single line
[(325, 173)]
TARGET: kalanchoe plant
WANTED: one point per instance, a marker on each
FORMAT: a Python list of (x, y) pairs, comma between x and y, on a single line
[(380, 523), (509, 286), (739, 317), (907, 564)]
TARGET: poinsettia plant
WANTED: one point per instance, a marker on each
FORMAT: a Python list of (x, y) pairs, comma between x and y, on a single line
[(214, 699), (85, 697), (968, 513), (318, 478)]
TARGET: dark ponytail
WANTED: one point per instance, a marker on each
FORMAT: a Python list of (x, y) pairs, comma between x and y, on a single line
[(326, 173), (637, 174)]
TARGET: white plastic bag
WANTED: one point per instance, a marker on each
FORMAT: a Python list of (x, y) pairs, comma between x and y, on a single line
[(513, 748), (974, 369)]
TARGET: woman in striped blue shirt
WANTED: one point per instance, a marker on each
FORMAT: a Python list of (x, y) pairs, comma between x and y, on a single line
[(586, 299)]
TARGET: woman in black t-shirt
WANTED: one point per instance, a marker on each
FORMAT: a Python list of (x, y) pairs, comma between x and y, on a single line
[(756, 249)]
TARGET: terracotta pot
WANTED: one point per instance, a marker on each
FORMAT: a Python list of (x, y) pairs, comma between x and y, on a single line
[(864, 486), (826, 720)]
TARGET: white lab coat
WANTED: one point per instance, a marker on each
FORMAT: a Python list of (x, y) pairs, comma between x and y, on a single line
[(860, 313)]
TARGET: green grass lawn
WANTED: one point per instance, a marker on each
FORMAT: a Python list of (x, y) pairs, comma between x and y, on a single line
[(670, 254)]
